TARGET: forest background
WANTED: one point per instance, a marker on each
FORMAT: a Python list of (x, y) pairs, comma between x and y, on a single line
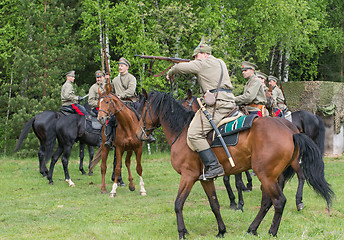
[(41, 40)]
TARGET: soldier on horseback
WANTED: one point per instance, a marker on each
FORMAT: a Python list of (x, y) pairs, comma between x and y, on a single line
[(210, 71), (253, 97), (279, 106), (93, 93), (68, 97), (124, 86)]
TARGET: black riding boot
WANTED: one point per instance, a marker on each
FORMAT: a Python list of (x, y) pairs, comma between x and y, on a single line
[(110, 132), (212, 167)]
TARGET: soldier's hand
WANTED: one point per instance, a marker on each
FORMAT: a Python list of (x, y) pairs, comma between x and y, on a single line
[(80, 99)]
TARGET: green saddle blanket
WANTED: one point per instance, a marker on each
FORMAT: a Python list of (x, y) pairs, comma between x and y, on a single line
[(230, 131)]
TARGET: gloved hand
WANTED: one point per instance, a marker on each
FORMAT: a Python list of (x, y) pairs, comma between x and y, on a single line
[(80, 99)]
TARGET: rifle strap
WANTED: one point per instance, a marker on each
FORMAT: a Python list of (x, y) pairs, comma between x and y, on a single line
[(163, 72)]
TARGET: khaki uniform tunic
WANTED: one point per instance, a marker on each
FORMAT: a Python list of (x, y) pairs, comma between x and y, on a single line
[(93, 95), (68, 96), (208, 72), (124, 86), (278, 97), (253, 92)]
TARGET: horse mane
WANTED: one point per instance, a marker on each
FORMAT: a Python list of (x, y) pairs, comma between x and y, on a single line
[(164, 104)]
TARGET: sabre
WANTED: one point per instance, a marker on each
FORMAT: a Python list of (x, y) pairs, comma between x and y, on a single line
[(85, 96), (218, 134)]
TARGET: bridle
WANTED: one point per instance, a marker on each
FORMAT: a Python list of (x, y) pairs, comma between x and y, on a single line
[(112, 105), (190, 103), (155, 126)]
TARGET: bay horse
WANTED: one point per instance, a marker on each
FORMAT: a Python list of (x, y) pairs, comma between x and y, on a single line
[(306, 122), (44, 127), (125, 141), (268, 147)]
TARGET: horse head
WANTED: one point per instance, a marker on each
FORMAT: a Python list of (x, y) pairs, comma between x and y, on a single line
[(147, 124)]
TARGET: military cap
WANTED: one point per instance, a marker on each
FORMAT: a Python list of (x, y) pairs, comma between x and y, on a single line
[(261, 75), (202, 48), (248, 65), (273, 78), (98, 73), (124, 61), (70, 74)]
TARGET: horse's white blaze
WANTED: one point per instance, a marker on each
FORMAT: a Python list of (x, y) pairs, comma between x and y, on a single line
[(70, 182), (143, 190), (101, 100), (113, 191)]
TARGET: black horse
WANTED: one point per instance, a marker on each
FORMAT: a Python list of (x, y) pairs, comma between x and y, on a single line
[(70, 129), (44, 127)]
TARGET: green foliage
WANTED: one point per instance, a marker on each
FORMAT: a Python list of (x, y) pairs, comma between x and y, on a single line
[(40, 41)]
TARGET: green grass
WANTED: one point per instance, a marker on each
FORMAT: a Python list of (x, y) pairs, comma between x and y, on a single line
[(33, 209)]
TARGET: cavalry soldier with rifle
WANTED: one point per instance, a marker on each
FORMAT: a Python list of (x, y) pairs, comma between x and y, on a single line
[(213, 77), (253, 97), (278, 98), (123, 86), (68, 97)]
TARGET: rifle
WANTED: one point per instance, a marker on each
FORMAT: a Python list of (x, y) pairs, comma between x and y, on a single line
[(285, 99), (170, 59)]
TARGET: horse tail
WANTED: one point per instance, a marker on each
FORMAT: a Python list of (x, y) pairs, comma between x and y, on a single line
[(321, 136), (288, 173), (312, 166), (24, 133)]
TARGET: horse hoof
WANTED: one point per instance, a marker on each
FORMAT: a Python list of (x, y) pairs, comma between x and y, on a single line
[(113, 195), (90, 174), (233, 206), (51, 183), (300, 206), (143, 193), (132, 188), (104, 192)]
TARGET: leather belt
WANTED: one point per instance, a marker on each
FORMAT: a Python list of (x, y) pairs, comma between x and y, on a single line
[(221, 89)]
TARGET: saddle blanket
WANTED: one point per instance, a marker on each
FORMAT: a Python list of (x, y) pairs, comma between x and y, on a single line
[(230, 131)]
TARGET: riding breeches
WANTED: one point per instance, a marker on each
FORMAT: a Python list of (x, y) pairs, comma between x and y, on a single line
[(200, 125)]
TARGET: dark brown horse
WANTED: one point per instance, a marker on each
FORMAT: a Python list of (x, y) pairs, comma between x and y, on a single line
[(126, 140), (268, 147)]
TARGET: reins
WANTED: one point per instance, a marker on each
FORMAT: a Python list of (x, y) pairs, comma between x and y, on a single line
[(112, 105)]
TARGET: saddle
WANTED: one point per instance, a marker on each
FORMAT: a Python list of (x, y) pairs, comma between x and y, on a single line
[(229, 128), (91, 123)]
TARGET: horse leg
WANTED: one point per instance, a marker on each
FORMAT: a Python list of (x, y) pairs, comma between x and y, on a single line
[(209, 189), (41, 157), (81, 157), (90, 154), (226, 181), (103, 166), (138, 154), (239, 184), (54, 159), (65, 160), (119, 180), (185, 187), (265, 205), (130, 176), (301, 178), (249, 180), (271, 194), (119, 154)]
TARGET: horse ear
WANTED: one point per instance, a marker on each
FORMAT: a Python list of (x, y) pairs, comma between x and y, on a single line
[(144, 93), (189, 93)]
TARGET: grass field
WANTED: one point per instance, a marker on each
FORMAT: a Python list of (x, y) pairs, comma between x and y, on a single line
[(33, 209)]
